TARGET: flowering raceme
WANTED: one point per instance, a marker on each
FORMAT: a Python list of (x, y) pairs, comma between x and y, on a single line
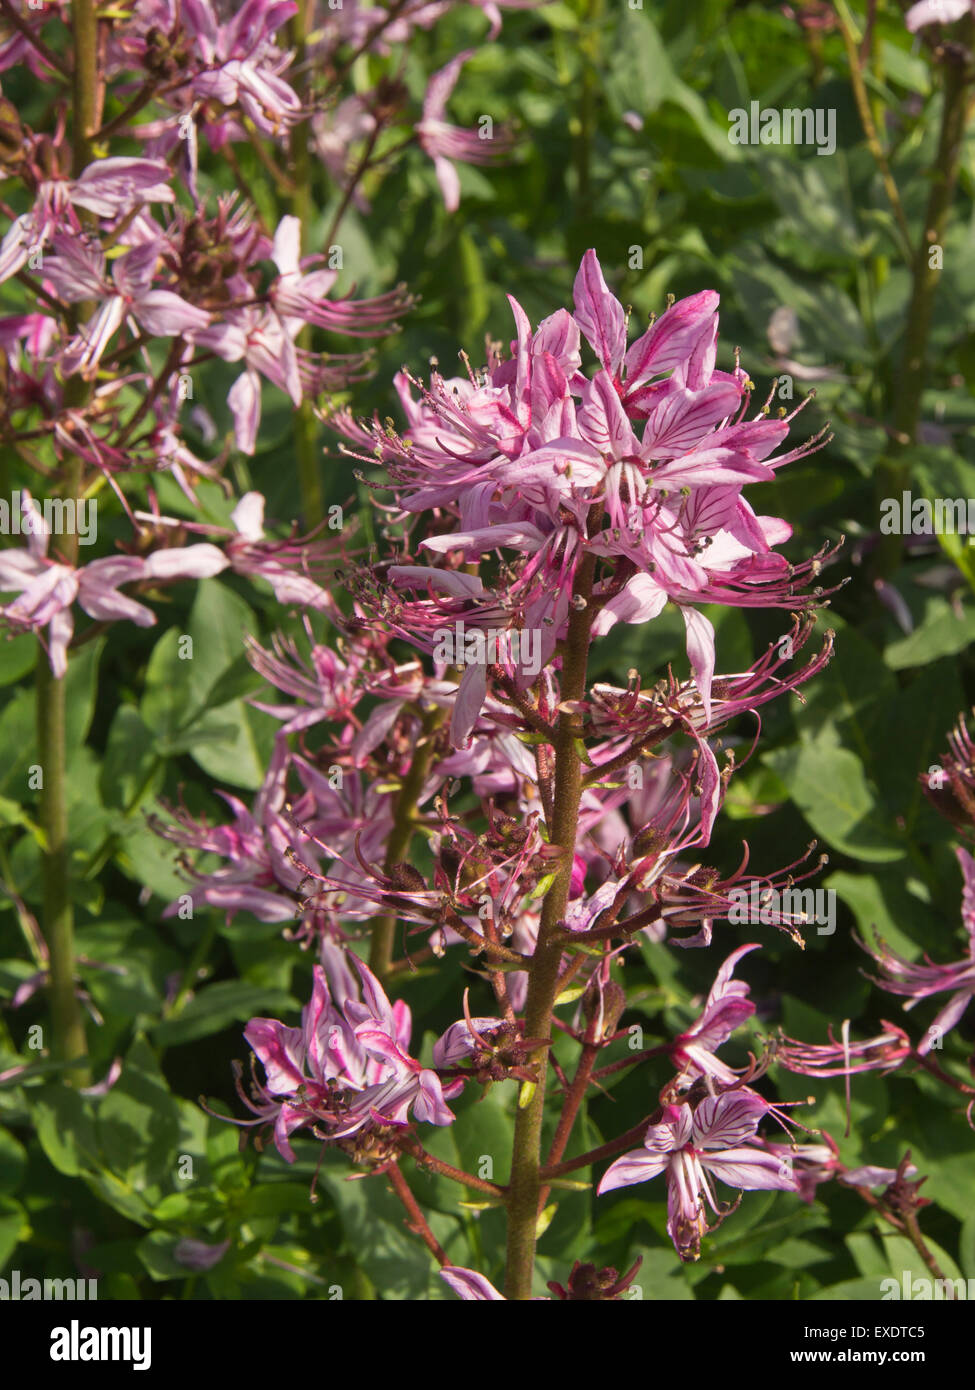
[(536, 457), (450, 797), (572, 501), (128, 280)]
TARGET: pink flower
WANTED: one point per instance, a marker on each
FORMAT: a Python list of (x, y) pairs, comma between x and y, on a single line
[(936, 12), (726, 1008), (77, 271), (717, 1139), (48, 587), (110, 187), (238, 62), (287, 565), (642, 463), (299, 293), (919, 982), (263, 334), (444, 142), (259, 874), (843, 1058), (347, 1067), (470, 1286)]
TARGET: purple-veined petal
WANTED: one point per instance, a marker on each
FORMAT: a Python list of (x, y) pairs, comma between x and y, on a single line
[(723, 1121), (700, 652), (470, 1286), (668, 341), (751, 1169), (599, 313), (636, 1166)]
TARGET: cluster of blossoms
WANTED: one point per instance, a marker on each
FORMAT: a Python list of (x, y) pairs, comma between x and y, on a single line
[(580, 497), (123, 255), (478, 792), (347, 1068), (640, 465)]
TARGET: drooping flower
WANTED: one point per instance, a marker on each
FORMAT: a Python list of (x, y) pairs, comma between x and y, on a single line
[(950, 786), (346, 1068), (109, 188), (716, 1140), (262, 334), (237, 63), (470, 1286), (841, 1057), (78, 272)]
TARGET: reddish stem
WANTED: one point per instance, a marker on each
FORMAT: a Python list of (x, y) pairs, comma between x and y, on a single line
[(417, 1222)]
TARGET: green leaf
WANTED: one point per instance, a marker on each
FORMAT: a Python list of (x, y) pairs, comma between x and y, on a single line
[(966, 1246), (18, 733), (919, 717), (560, 16), (397, 1262), (217, 1006), (641, 78), (238, 680), (939, 633), (13, 1161), (660, 1277), (157, 1253), (199, 669), (867, 1254), (81, 690), (12, 814), (234, 744), (830, 787), (277, 1199), (882, 902), (131, 759), (471, 285), (850, 1291), (138, 1123), (763, 1241), (64, 1125), (618, 1221), (903, 1258), (18, 656), (14, 1227), (165, 703)]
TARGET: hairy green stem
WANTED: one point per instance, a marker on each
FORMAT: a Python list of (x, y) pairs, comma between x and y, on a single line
[(543, 975), (384, 927), (69, 1029)]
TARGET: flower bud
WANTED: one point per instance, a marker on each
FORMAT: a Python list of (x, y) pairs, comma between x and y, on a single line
[(602, 1005)]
